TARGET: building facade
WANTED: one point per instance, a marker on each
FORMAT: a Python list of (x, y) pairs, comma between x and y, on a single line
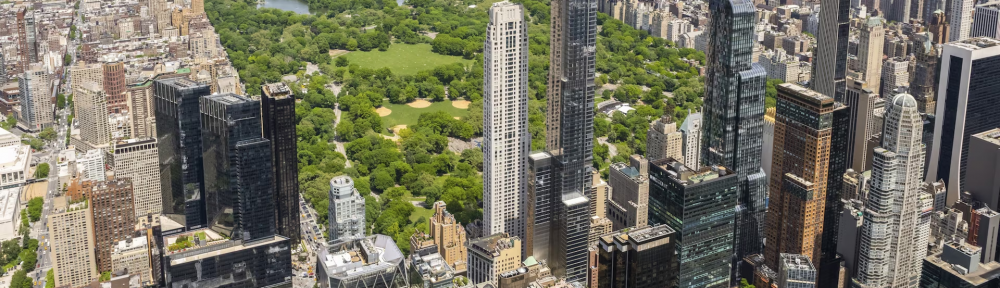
[(733, 116), (638, 258), (35, 99), (347, 210), (491, 256), (663, 140), (986, 21), (72, 241), (505, 121), (891, 249), (629, 204), (701, 206), (178, 127), (113, 216), (237, 167), (137, 160), (277, 117), (984, 169), (803, 130), (966, 96), (91, 107)]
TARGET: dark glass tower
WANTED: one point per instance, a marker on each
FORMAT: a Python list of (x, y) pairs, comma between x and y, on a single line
[(277, 108), (733, 126), (830, 66), (700, 205), (237, 164), (570, 132), (178, 127)]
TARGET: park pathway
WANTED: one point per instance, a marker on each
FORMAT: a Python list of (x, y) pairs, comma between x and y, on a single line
[(340, 145)]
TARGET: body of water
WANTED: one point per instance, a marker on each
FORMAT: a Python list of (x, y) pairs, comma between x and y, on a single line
[(297, 6)]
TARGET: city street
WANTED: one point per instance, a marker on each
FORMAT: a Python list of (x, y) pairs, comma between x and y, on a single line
[(312, 236)]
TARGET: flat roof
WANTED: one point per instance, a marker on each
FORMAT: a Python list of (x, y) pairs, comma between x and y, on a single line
[(225, 250), (986, 271), (8, 203)]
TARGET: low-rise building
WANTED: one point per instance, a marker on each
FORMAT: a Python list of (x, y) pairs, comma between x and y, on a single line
[(373, 261), (432, 271), (14, 164), (491, 256), (10, 213)]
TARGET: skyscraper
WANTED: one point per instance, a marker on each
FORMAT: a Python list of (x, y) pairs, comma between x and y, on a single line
[(830, 65), (277, 118), (91, 107), (799, 173), (570, 133), (638, 258), (237, 166), (960, 16), (895, 73), (178, 126), (628, 206), (114, 86), (663, 140), (72, 246), (986, 21), (966, 105), (733, 119), (22, 41), (691, 130), (984, 169), (897, 10), (890, 250), (35, 99), (938, 24), (700, 204), (870, 50), (860, 99), (795, 271), (505, 122), (136, 159), (347, 210), (114, 216), (925, 81)]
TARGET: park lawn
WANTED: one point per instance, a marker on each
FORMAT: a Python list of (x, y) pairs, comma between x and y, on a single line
[(403, 114), (403, 59), (420, 211)]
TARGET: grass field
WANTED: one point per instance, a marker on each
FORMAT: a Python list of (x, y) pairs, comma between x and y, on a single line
[(406, 115), (403, 59), (420, 211)]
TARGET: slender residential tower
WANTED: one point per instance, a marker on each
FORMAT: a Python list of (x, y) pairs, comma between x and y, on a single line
[(505, 122), (277, 119), (891, 251), (870, 50), (570, 133), (178, 128), (733, 116), (830, 65)]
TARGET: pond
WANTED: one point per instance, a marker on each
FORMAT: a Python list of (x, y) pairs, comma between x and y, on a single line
[(297, 6)]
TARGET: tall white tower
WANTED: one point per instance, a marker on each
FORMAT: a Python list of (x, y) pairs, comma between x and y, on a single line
[(891, 250), (505, 121), (961, 20)]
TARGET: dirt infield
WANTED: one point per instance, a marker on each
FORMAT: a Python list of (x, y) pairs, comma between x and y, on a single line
[(461, 104), (382, 111), (419, 103)]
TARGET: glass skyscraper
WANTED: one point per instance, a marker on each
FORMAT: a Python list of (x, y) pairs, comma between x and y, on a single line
[(237, 164), (178, 125), (570, 132), (733, 117), (700, 205)]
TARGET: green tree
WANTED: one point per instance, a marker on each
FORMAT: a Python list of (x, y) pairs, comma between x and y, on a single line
[(50, 279), (9, 123), (10, 250), (60, 101), (28, 259), (745, 284), (67, 59), (35, 208), (47, 134), (42, 171)]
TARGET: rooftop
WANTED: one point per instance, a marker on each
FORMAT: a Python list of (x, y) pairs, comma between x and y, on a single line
[(991, 136), (361, 256), (493, 244), (976, 43), (650, 233), (687, 176), (986, 271), (8, 203), (796, 262), (216, 250)]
